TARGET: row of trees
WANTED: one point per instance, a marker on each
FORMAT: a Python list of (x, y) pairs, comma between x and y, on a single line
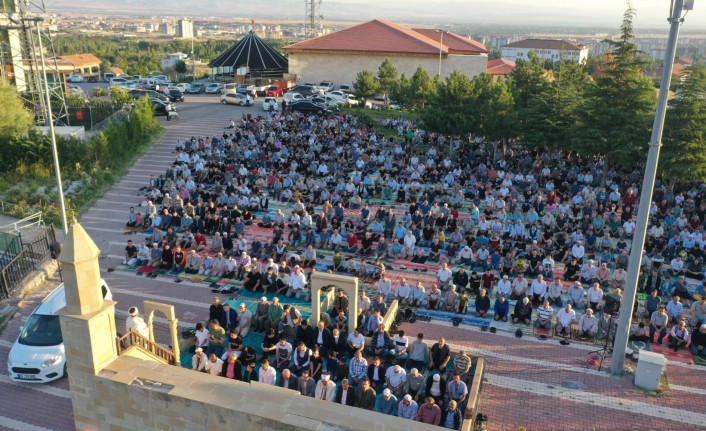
[(609, 113)]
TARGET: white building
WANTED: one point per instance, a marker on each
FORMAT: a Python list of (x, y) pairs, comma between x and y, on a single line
[(339, 56), (171, 59), (546, 49), (185, 29)]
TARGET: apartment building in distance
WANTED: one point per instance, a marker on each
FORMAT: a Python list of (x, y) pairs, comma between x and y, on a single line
[(546, 49)]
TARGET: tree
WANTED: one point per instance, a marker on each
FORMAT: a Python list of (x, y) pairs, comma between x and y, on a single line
[(15, 119), (387, 75), (422, 88), (365, 85), (684, 150), (618, 117), (527, 81), (401, 91), (492, 108), (448, 111), (554, 116), (119, 95), (180, 66)]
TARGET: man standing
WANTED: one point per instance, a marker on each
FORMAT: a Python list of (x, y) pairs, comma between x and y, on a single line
[(325, 389), (365, 397), (429, 413), (136, 324), (440, 356)]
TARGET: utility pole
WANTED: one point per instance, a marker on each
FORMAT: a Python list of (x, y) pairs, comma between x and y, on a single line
[(628, 302), (193, 60), (50, 121)]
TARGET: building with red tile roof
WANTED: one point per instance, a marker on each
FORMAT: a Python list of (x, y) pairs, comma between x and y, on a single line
[(546, 49), (339, 56), (500, 67)]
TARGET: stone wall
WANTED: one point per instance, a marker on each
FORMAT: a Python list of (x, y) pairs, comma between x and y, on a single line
[(133, 393), (312, 67)]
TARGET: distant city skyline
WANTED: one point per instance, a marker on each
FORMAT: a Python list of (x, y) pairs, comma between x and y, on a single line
[(566, 13)]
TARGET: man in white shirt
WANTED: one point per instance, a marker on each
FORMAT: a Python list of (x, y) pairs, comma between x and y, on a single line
[(578, 251), (504, 287), (519, 287), (595, 296), (564, 318), (266, 374), (214, 366), (444, 275), (355, 341), (403, 291), (538, 289), (297, 282)]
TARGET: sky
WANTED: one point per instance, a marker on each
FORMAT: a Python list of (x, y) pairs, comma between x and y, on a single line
[(572, 13)]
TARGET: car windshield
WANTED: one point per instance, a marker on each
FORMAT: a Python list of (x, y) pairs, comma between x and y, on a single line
[(41, 330)]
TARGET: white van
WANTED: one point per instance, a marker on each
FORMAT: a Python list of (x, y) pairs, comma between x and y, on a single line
[(38, 354), (230, 88)]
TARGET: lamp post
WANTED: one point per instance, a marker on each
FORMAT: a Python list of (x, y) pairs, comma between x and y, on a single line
[(193, 60), (675, 19), (55, 153), (441, 46)]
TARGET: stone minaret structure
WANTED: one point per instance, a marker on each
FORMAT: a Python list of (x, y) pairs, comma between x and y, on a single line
[(87, 321)]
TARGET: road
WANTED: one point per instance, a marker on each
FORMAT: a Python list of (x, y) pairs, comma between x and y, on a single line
[(31, 407)]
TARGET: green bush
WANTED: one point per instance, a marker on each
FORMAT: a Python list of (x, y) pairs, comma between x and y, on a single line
[(28, 179)]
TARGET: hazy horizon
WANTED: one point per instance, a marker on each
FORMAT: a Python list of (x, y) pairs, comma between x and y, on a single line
[(650, 14)]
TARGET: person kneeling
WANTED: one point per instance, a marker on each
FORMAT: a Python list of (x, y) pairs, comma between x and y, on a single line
[(501, 308), (482, 304)]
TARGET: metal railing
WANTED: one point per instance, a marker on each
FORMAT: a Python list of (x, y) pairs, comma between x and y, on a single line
[(27, 260), (134, 339), (32, 220)]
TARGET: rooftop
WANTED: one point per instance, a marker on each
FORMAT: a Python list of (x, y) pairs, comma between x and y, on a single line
[(546, 44), (500, 67), (384, 36)]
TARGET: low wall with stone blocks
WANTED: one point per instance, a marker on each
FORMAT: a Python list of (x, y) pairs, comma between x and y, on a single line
[(135, 394)]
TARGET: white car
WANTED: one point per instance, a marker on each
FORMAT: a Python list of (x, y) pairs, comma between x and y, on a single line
[(270, 104), (38, 354), (236, 99), (326, 86), (338, 94), (74, 78), (352, 101), (118, 81), (293, 97), (75, 89), (214, 88)]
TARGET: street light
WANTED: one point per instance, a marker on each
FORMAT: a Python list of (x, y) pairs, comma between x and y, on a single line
[(621, 340), (441, 46)]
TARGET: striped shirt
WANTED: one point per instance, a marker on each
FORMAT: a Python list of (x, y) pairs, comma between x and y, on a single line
[(462, 363), (545, 313)]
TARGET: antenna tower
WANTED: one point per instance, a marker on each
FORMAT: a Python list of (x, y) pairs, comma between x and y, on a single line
[(312, 18), (23, 32)]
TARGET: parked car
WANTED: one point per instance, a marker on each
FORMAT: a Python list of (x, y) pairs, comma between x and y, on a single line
[(214, 88), (136, 94), (249, 90), (305, 90), (346, 88), (326, 86), (309, 106), (270, 104), (92, 78), (118, 81), (327, 100), (181, 86), (38, 354), (229, 88), (108, 76), (236, 99), (352, 101), (293, 97), (338, 94), (74, 78), (196, 89), (167, 109), (75, 89), (274, 91), (175, 95)]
